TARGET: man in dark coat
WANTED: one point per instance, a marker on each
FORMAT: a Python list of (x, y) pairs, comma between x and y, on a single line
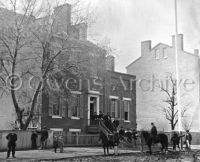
[(12, 138), (121, 133), (116, 142), (188, 139), (153, 132), (34, 139), (44, 137)]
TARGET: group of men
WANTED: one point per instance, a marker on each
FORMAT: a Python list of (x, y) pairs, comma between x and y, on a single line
[(188, 137), (12, 139)]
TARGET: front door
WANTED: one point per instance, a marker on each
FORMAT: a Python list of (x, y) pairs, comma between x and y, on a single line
[(93, 107)]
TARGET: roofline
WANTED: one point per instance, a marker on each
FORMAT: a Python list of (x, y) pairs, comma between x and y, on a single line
[(134, 61), (155, 47), (110, 71)]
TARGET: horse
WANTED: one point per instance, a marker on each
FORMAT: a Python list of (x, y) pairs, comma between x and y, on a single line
[(106, 142), (161, 138)]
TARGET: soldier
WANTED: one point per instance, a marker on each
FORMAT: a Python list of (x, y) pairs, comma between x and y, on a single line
[(116, 142), (44, 137), (12, 138), (121, 133), (34, 140), (153, 133), (188, 139)]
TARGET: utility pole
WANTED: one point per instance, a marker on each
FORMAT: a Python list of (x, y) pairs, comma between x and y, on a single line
[(177, 71)]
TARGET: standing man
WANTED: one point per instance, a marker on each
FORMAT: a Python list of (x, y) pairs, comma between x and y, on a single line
[(44, 137), (34, 139), (116, 142), (153, 133), (12, 138), (188, 139)]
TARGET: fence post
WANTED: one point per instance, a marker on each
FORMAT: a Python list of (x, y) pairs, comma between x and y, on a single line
[(77, 138)]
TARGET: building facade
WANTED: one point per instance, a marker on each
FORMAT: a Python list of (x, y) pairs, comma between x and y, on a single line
[(95, 90), (154, 69)]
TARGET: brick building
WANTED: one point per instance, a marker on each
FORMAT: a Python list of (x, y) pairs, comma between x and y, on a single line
[(153, 69), (113, 92)]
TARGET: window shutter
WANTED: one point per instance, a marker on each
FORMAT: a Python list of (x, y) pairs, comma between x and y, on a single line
[(63, 108), (50, 108), (81, 105), (59, 104), (118, 109), (109, 107), (122, 108), (69, 111)]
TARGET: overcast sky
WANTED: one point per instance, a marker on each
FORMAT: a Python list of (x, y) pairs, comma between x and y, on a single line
[(128, 22)]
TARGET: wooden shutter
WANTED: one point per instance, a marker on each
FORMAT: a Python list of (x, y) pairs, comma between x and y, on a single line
[(63, 106), (122, 110), (69, 111), (82, 106), (50, 108), (59, 104), (118, 109)]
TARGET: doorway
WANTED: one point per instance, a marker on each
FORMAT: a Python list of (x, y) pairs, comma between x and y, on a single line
[(93, 107)]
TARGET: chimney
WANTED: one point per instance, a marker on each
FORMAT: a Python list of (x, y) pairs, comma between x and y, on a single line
[(110, 63), (196, 52), (179, 41), (145, 47), (83, 31), (62, 15)]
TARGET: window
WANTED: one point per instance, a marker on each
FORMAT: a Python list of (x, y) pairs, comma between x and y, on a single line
[(115, 113), (75, 105), (157, 54), (126, 109), (165, 53), (57, 107)]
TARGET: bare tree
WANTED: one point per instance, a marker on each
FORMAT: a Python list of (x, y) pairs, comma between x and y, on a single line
[(30, 48), (170, 108), (186, 124)]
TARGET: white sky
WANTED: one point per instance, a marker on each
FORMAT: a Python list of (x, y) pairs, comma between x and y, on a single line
[(128, 22)]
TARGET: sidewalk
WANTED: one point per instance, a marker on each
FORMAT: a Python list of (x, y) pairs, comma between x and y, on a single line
[(35, 155)]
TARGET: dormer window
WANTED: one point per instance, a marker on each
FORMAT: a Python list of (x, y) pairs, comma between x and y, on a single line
[(157, 54)]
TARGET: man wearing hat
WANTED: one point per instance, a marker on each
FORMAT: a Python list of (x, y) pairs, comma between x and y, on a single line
[(44, 137), (12, 138), (153, 132), (188, 139)]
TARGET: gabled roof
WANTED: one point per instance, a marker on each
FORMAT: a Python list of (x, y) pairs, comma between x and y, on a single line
[(156, 46)]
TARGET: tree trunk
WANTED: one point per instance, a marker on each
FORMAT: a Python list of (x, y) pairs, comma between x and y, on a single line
[(34, 101)]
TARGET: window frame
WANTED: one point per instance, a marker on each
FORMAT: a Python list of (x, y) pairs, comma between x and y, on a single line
[(116, 111), (127, 100), (157, 54), (77, 106)]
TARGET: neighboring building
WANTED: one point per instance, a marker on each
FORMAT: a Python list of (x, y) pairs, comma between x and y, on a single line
[(153, 69)]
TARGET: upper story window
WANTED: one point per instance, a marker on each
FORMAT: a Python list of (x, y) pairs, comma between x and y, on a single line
[(115, 111), (56, 107), (126, 110), (157, 54), (75, 105), (165, 53)]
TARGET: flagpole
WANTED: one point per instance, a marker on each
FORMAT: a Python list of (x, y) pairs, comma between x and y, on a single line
[(177, 69)]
